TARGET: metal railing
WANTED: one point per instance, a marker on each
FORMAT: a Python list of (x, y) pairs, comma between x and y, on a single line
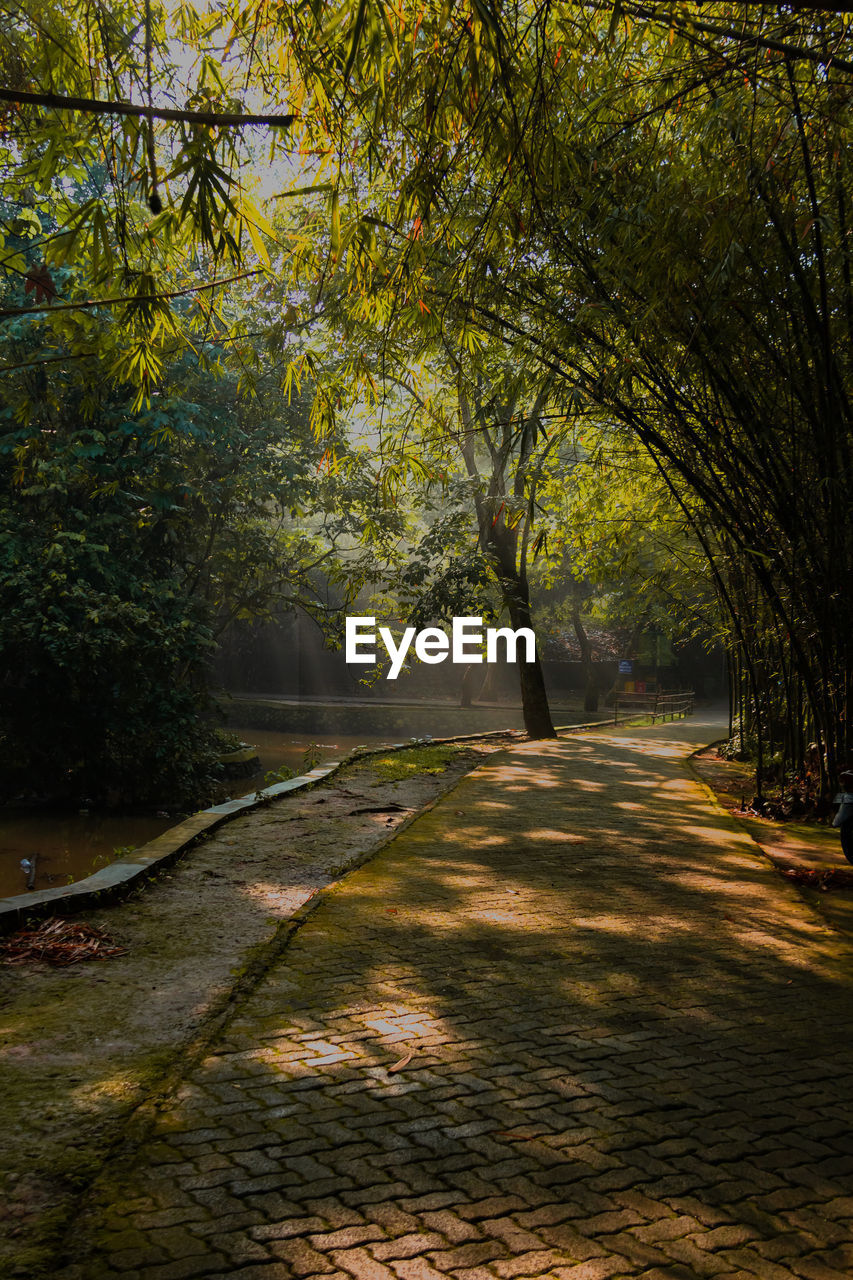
[(660, 706)]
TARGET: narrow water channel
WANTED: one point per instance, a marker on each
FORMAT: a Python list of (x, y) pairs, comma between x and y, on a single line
[(69, 846)]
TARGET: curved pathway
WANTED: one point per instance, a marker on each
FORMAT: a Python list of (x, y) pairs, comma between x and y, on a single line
[(567, 1025)]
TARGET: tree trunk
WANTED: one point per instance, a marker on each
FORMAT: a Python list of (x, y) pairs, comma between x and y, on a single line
[(503, 544), (590, 691), (469, 679), (534, 699), (534, 696)]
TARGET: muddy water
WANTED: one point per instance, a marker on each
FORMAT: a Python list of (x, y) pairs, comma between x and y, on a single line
[(69, 846)]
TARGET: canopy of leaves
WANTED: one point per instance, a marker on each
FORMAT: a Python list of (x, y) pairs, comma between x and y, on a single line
[(650, 203)]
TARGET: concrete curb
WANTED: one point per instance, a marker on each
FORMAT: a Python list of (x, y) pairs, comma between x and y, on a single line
[(124, 875), (128, 873)]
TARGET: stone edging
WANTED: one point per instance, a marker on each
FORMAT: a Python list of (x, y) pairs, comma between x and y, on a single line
[(127, 873)]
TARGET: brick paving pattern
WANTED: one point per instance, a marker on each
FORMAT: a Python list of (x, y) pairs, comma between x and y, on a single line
[(567, 1025)]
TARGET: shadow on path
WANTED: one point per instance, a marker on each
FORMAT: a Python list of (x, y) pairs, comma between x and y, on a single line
[(567, 1024)]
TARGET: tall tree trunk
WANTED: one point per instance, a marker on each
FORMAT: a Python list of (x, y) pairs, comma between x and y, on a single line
[(510, 559), (590, 691), (469, 679), (534, 696)]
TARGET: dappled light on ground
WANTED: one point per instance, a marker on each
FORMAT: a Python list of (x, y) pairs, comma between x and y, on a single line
[(546, 1029)]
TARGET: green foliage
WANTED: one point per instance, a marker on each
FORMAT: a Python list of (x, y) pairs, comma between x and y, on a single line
[(650, 207), (283, 774), (620, 551), (658, 213), (444, 574), (227, 741), (104, 655), (133, 531)]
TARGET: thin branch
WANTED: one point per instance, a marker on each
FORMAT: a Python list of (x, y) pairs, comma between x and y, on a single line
[(138, 297), (34, 364), (683, 26), (91, 355), (112, 108)]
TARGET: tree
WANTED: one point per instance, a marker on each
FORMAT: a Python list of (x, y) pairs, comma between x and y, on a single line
[(129, 538), (103, 653), (494, 414), (471, 411), (619, 555), (652, 204), (663, 224)]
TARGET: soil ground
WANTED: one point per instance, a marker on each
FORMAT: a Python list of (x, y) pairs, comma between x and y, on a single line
[(807, 853), (82, 1047)]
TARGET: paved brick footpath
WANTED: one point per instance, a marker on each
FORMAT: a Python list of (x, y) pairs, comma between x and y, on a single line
[(567, 1025)]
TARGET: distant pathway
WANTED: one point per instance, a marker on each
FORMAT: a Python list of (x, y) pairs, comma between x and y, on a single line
[(567, 1025)]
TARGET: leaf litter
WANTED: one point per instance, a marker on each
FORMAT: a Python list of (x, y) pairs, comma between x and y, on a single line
[(59, 942)]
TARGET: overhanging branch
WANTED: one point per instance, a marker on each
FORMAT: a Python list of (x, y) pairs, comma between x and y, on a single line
[(124, 298), (59, 102)]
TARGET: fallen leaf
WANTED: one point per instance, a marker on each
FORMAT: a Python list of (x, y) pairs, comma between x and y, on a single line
[(403, 1062), (59, 942)]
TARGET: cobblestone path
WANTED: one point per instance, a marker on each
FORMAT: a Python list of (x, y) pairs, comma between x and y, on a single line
[(567, 1025)]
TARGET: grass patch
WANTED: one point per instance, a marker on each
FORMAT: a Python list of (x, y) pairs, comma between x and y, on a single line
[(397, 766)]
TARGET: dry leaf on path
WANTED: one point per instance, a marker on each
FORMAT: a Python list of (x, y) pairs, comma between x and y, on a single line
[(59, 942)]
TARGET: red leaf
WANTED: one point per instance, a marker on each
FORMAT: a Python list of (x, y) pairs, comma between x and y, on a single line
[(39, 279)]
